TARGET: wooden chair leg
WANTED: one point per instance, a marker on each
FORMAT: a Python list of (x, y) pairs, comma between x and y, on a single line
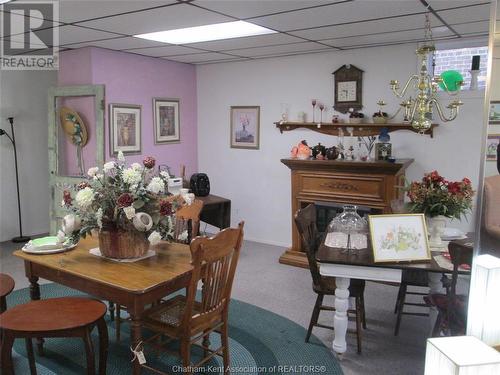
[(118, 321), (31, 356), (363, 311), (396, 306), (225, 347), (437, 325), (111, 309), (206, 343), (186, 355), (6, 354), (102, 329), (400, 309), (89, 351), (358, 323), (315, 315)]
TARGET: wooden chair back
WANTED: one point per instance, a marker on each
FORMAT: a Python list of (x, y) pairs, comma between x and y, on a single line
[(305, 219), (214, 262), (187, 218), (459, 254)]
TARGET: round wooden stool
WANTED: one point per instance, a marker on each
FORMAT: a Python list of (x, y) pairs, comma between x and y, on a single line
[(6, 286), (55, 317)]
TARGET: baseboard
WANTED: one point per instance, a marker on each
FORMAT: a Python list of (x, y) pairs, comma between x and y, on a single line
[(266, 242)]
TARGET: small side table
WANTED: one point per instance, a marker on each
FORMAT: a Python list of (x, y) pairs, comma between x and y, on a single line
[(6, 286)]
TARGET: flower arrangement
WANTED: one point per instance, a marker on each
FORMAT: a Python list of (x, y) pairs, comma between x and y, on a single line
[(435, 196), (122, 199)]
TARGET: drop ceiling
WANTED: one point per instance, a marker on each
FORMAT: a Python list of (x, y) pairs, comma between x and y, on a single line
[(302, 26)]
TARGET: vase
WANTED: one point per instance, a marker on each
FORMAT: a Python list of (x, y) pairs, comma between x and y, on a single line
[(121, 244), (435, 227)]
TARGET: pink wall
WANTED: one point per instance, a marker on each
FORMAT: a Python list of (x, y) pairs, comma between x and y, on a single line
[(134, 79)]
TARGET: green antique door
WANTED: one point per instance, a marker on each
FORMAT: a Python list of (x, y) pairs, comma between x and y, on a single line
[(68, 162)]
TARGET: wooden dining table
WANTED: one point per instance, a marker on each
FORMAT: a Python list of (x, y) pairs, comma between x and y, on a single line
[(133, 285)]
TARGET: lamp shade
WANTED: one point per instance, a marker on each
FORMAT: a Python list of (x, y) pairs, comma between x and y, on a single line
[(460, 355), (483, 320)]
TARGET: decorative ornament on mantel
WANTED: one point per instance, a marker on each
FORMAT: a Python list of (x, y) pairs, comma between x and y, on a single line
[(419, 109)]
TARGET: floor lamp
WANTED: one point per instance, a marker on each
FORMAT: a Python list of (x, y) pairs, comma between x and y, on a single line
[(20, 238)]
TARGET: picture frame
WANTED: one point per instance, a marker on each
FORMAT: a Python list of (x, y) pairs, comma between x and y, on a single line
[(166, 120), (245, 127), (491, 146), (399, 238), (125, 125), (494, 113)]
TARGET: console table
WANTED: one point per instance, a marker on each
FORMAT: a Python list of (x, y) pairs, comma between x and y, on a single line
[(372, 184)]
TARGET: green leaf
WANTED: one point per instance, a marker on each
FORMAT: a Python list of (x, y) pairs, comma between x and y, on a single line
[(138, 204)]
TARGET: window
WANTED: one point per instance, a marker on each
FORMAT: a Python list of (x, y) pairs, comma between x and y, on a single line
[(461, 60)]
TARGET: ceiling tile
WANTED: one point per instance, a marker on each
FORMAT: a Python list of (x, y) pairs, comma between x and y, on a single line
[(73, 34), (446, 4), (168, 18), (469, 14), (282, 49), (166, 50), (201, 57), (77, 10), (473, 27), (254, 8), (378, 44), (370, 27), (247, 42), (339, 14), (119, 43)]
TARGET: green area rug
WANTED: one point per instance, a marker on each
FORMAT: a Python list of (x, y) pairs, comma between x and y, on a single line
[(261, 342)]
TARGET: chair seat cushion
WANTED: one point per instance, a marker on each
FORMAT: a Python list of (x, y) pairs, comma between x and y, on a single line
[(54, 314), (169, 313)]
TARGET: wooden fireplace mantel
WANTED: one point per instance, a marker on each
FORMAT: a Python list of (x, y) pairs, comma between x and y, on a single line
[(372, 184)]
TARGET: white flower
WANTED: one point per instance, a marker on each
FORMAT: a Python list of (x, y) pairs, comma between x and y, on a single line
[(71, 223), (136, 166), (156, 185), (98, 217), (92, 171), (84, 198), (131, 176), (154, 238), (109, 166), (183, 236), (98, 177), (129, 212), (120, 156), (164, 174)]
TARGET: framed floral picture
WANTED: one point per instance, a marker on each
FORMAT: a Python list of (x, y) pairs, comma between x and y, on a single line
[(494, 115), (491, 146), (166, 118), (245, 124), (399, 238), (124, 128)]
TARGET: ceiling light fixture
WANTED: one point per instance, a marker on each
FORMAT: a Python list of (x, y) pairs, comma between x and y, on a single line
[(217, 31), (4, 1)]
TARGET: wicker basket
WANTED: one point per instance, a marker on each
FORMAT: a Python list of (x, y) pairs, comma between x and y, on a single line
[(122, 244)]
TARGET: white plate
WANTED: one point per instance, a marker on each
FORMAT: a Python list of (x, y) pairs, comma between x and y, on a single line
[(31, 250), (444, 238), (452, 233)]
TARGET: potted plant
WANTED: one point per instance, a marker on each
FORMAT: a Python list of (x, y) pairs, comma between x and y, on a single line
[(128, 205), (355, 117), (439, 199)]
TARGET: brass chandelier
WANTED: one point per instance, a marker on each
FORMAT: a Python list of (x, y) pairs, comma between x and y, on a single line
[(418, 110)]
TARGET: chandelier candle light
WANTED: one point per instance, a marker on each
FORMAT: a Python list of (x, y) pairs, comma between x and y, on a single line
[(418, 110)]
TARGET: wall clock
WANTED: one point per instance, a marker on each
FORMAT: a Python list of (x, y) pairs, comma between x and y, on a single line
[(347, 88)]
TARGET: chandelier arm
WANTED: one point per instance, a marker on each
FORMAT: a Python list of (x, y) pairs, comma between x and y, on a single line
[(453, 111), (405, 88), (412, 114), (394, 115)]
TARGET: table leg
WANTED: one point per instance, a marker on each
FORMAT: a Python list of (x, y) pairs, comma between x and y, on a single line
[(35, 296), (340, 320), (435, 286), (136, 337)]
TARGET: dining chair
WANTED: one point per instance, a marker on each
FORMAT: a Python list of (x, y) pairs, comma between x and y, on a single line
[(55, 317), (452, 308), (188, 320), (187, 218), (305, 219)]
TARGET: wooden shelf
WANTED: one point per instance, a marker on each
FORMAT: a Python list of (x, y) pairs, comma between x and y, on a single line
[(360, 130)]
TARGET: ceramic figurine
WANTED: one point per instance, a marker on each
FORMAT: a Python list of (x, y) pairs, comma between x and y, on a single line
[(319, 151), (294, 152), (332, 153), (303, 152)]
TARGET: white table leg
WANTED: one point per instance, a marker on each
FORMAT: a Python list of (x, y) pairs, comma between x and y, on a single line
[(340, 320), (435, 286)]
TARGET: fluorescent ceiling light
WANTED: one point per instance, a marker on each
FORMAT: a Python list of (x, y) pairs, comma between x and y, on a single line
[(205, 33), (4, 1)]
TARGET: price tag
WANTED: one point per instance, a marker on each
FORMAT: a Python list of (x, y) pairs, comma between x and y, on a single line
[(140, 357)]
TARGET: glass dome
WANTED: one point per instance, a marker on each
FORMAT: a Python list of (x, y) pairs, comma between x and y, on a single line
[(348, 230)]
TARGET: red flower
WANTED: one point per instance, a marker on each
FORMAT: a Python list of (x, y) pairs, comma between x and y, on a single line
[(165, 208), (125, 200), (82, 185), (149, 162), (454, 187), (466, 181), (67, 198)]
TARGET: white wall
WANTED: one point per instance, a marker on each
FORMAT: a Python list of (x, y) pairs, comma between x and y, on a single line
[(23, 94), (255, 180)]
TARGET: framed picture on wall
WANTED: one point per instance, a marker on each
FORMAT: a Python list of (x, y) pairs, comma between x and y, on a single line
[(399, 238), (166, 115), (245, 124), (125, 128), (491, 146), (494, 116)]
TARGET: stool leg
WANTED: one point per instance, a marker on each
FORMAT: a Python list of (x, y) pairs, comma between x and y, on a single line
[(89, 350), (118, 321), (35, 296), (103, 345), (6, 355), (111, 308), (400, 308), (31, 356)]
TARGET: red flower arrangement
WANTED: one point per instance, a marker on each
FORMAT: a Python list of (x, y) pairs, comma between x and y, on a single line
[(435, 196)]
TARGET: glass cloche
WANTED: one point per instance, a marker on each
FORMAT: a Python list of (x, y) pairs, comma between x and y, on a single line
[(348, 230)]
